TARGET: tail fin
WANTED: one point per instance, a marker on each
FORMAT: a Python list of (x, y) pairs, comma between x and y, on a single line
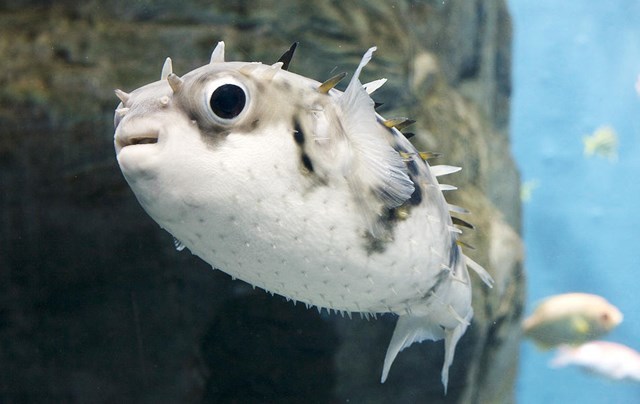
[(412, 328)]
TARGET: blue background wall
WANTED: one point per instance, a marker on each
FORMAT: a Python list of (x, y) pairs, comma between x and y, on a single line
[(575, 68)]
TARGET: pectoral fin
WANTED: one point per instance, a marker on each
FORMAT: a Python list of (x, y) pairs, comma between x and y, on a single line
[(580, 325), (374, 167)]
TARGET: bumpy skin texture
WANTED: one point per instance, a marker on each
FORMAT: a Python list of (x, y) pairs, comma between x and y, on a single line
[(301, 192)]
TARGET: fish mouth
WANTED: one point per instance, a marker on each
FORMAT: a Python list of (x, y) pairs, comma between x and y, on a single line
[(124, 139)]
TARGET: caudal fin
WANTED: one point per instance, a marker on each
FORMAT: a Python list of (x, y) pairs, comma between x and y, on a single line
[(411, 328), (452, 336)]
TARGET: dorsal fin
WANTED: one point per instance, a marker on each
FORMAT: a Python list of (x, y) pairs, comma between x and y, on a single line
[(287, 56)]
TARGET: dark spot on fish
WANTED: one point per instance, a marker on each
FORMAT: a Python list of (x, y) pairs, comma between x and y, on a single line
[(416, 196), (306, 162), (299, 138), (390, 215), (285, 86), (386, 224), (374, 245), (254, 124), (298, 134), (414, 170), (454, 256)]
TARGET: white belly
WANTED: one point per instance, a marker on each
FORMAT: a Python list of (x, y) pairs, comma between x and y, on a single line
[(301, 240), (313, 249)]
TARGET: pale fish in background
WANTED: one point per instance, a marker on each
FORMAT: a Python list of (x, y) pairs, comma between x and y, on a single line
[(302, 190), (602, 143), (638, 85), (608, 359), (572, 319)]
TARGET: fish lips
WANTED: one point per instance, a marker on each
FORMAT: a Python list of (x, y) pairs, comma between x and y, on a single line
[(137, 144)]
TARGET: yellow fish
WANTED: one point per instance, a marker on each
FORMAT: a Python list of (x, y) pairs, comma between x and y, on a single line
[(603, 142), (572, 319)]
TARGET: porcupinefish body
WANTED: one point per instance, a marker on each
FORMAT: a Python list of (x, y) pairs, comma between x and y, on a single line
[(299, 189)]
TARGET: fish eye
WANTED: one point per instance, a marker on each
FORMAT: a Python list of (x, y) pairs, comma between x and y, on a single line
[(227, 101)]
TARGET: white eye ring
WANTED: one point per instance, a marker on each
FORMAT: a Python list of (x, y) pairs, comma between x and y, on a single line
[(225, 100)]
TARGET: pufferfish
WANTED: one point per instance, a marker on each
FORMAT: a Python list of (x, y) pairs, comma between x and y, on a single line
[(302, 190)]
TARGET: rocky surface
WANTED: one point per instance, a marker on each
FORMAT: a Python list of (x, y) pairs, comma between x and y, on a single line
[(97, 306)]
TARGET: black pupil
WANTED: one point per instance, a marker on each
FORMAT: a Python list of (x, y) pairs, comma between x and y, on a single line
[(227, 101)]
